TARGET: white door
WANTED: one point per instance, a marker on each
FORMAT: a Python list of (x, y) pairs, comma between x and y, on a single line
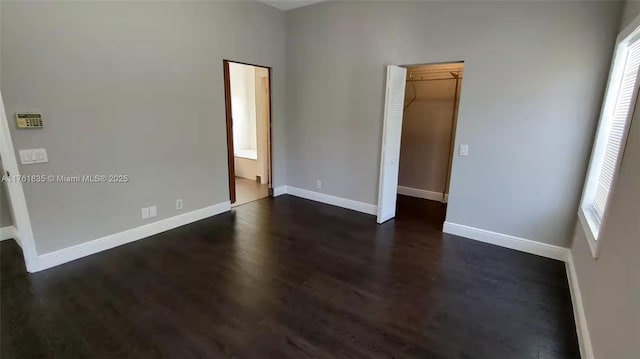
[(391, 133)]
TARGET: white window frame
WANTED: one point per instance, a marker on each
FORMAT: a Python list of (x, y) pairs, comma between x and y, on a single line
[(592, 227)]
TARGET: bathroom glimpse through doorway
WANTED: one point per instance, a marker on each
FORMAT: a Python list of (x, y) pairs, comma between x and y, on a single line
[(248, 117)]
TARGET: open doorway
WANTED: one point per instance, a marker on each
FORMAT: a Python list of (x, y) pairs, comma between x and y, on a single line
[(432, 94), (248, 111), (421, 113)]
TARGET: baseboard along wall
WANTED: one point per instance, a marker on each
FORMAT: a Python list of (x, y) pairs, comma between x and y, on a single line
[(52, 259), (423, 193), (507, 241), (8, 232)]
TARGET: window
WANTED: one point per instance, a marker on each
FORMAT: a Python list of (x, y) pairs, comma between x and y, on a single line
[(618, 107)]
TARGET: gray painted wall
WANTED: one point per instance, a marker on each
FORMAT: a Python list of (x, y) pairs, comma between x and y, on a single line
[(131, 88), (630, 11), (610, 285), (534, 79)]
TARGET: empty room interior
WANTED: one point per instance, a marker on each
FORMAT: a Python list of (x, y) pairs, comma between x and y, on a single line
[(327, 179)]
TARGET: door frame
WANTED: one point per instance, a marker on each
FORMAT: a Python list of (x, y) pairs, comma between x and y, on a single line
[(17, 201), (454, 128), (229, 123)]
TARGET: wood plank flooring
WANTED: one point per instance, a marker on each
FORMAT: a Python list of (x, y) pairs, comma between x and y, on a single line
[(249, 191), (291, 278)]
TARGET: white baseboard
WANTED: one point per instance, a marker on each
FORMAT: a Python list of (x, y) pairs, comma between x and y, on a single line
[(333, 200), (8, 232), (422, 193), (508, 241), (279, 191), (68, 254), (584, 339)]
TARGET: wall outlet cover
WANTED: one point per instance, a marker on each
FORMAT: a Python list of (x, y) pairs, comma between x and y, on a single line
[(464, 150), (145, 213), (153, 211)]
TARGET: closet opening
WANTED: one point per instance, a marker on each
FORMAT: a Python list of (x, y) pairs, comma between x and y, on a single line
[(431, 101), (248, 113)]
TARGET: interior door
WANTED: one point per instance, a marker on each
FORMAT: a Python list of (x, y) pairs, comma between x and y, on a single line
[(230, 150), (391, 133)]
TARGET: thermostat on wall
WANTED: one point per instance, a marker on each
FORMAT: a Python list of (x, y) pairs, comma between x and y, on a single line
[(29, 120)]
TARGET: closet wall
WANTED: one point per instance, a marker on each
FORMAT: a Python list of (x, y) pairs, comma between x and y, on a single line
[(426, 135)]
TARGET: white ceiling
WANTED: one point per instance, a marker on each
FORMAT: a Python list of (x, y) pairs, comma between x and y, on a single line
[(285, 5)]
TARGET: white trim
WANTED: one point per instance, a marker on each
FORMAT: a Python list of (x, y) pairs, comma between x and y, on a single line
[(422, 193), (16, 197), (16, 236), (8, 232), (389, 149), (584, 339), (591, 226), (333, 200), (12, 233), (507, 241), (68, 254), (279, 191)]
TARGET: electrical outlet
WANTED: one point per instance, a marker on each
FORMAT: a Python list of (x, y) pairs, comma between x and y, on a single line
[(179, 203), (153, 211), (464, 150), (145, 213), (318, 184)]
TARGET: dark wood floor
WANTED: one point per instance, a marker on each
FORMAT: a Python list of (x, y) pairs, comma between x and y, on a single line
[(291, 278)]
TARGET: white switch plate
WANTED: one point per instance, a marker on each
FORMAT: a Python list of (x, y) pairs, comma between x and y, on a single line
[(318, 184), (153, 211), (145, 213), (34, 155), (25, 157), (179, 203), (464, 150)]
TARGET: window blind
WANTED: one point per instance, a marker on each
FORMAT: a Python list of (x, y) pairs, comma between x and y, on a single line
[(615, 124)]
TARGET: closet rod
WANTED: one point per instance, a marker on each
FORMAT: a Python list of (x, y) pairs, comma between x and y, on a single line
[(436, 72), (452, 78), (454, 75)]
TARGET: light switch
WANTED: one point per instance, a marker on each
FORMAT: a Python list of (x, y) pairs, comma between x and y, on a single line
[(145, 213), (42, 155), (153, 211), (464, 150), (25, 157), (34, 155)]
